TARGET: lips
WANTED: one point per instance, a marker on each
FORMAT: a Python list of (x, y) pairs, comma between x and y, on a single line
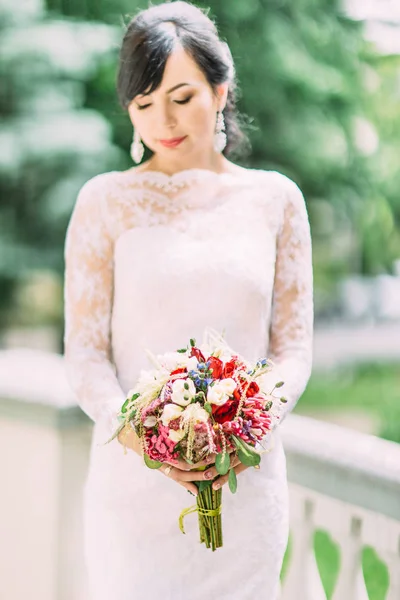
[(172, 142)]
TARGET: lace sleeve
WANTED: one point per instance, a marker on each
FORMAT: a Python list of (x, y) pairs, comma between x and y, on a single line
[(88, 295), (291, 329)]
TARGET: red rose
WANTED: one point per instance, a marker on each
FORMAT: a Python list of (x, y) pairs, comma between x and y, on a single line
[(226, 412), (198, 354), (217, 366), (229, 369), (253, 389), (236, 394), (181, 370)]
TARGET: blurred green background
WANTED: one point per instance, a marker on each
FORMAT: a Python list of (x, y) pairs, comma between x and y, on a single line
[(321, 92), (322, 102)]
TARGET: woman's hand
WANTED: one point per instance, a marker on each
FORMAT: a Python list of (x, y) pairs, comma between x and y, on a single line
[(184, 474), (129, 438), (180, 471), (222, 479)]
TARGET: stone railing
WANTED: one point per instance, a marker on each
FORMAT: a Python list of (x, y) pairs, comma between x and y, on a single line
[(347, 484), (343, 482)]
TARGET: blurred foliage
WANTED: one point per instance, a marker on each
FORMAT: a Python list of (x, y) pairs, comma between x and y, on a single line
[(322, 104), (371, 387)]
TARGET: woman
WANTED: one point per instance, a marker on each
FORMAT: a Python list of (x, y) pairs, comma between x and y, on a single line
[(155, 254)]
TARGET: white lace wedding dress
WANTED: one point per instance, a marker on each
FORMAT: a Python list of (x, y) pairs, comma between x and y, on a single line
[(151, 260)]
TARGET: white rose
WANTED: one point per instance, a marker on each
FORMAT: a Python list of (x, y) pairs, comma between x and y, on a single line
[(222, 354), (177, 360), (180, 395), (220, 391), (150, 382), (176, 436), (170, 412), (196, 413), (228, 385), (150, 421), (191, 363)]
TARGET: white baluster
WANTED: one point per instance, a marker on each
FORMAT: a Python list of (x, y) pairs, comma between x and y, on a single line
[(302, 581), (351, 584)]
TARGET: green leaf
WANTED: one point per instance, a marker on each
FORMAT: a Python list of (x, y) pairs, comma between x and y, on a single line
[(208, 408), (116, 433), (222, 464), (279, 384), (250, 460), (192, 342), (232, 481), (128, 400), (203, 485), (125, 404), (283, 399), (246, 453), (182, 350), (268, 405), (152, 464)]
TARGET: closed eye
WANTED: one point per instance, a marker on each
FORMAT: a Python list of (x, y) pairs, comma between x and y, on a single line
[(185, 101)]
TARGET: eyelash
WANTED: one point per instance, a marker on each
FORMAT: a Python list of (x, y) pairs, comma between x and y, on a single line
[(177, 102)]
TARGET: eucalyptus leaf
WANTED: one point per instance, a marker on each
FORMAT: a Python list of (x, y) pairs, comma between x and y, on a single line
[(222, 464), (250, 460), (246, 453), (232, 481), (152, 464)]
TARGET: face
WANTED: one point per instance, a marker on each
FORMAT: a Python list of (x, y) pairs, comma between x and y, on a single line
[(180, 115)]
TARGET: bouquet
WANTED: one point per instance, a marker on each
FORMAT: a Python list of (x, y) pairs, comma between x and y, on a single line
[(200, 401)]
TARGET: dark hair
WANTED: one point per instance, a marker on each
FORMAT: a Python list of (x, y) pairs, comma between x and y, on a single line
[(150, 39)]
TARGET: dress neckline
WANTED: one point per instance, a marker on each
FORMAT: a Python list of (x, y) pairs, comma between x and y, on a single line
[(183, 177)]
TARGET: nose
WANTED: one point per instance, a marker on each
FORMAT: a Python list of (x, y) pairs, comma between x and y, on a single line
[(167, 118)]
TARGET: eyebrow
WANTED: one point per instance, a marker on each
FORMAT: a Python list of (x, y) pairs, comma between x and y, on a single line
[(179, 85), (176, 87)]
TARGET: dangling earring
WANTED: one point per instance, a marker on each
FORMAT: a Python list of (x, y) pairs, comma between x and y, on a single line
[(219, 135), (137, 148)]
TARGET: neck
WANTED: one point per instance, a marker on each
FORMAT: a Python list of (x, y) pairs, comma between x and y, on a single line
[(214, 162)]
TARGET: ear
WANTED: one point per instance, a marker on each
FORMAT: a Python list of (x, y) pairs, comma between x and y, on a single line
[(131, 113), (222, 94)]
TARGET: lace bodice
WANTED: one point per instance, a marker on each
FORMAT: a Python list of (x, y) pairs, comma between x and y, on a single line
[(152, 259)]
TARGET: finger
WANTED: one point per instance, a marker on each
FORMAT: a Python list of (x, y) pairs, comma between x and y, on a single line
[(180, 464), (210, 459), (212, 472), (189, 486), (221, 481), (174, 475), (189, 476)]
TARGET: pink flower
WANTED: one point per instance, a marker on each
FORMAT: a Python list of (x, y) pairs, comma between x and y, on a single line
[(160, 447)]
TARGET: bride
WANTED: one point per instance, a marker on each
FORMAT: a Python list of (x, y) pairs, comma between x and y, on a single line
[(154, 255)]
